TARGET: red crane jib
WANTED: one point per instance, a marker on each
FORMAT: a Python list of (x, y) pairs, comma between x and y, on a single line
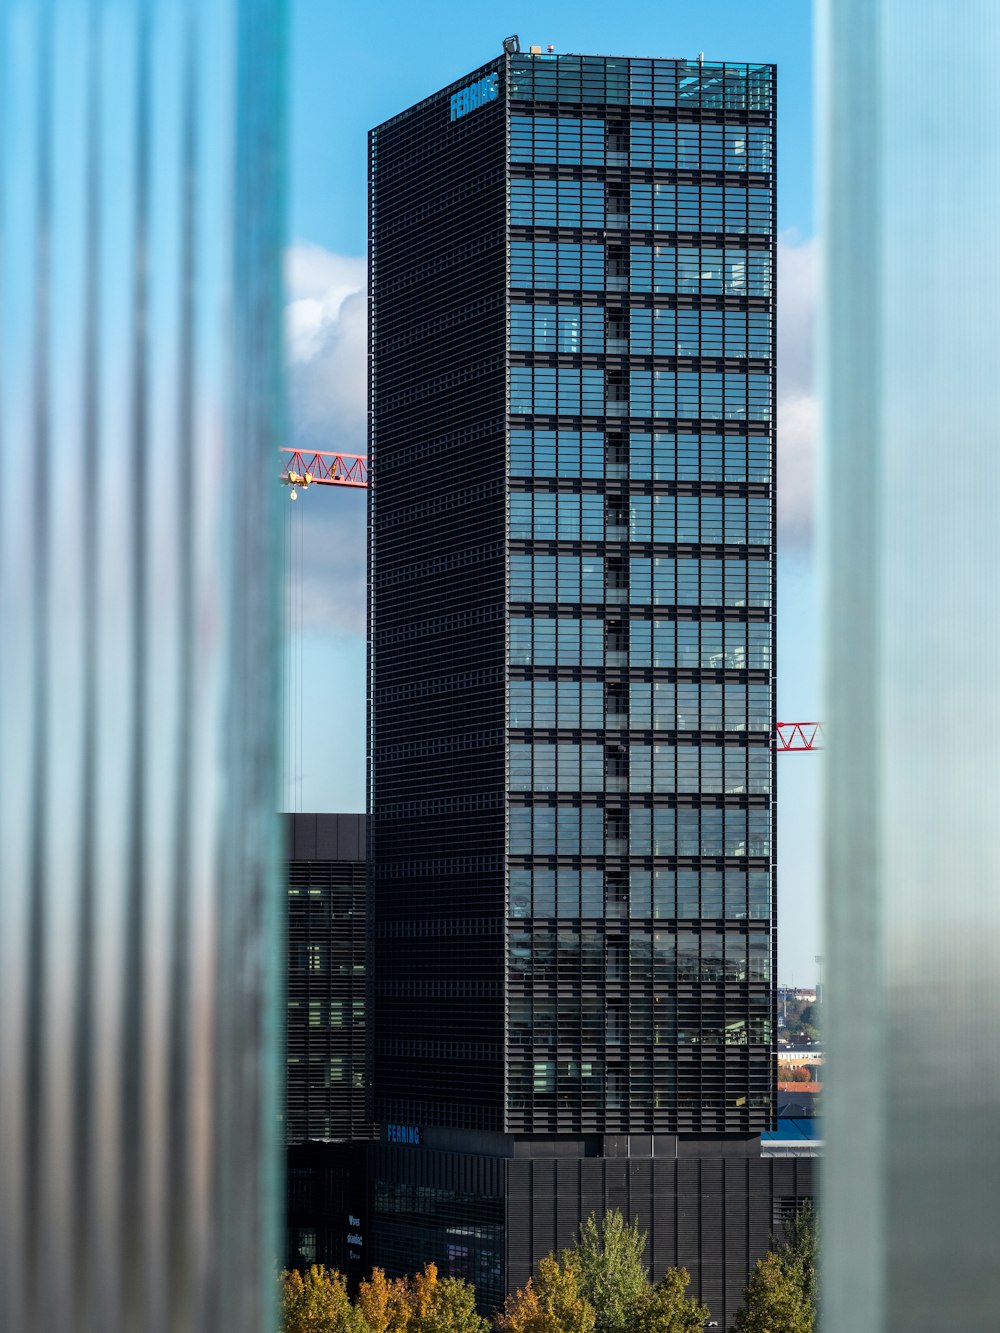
[(798, 735), (325, 469)]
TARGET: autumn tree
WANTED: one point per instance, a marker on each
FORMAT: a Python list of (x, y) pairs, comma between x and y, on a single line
[(318, 1303), (667, 1308), (551, 1302), (383, 1302), (423, 1303), (774, 1301), (452, 1310), (783, 1293)]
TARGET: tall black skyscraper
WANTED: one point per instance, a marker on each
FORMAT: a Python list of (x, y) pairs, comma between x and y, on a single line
[(571, 884)]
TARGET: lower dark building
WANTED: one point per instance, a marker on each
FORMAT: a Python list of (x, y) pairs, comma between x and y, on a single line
[(486, 1208), (483, 1206), (325, 1042), (325, 1125), (327, 1213)]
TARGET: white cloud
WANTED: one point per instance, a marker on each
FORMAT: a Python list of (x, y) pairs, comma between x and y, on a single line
[(797, 422), (326, 343), (326, 334), (798, 271), (312, 270)]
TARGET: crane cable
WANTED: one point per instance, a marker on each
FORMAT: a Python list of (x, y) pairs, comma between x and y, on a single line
[(294, 605)]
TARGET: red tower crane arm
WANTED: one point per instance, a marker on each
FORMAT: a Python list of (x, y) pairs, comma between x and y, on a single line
[(302, 468), (798, 735)]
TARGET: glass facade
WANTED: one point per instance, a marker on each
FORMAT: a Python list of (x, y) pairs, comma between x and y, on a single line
[(462, 1229), (606, 771)]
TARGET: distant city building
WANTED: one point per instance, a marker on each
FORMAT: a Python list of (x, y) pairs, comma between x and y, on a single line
[(798, 1131), (571, 886)]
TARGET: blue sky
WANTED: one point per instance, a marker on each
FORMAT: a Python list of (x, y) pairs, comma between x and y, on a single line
[(354, 66)]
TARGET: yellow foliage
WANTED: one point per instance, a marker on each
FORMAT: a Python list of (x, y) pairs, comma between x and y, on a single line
[(383, 1303), (551, 1302), (522, 1311), (423, 1290), (317, 1301)]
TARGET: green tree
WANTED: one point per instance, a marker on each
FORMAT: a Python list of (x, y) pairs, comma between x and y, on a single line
[(612, 1275), (667, 1308), (774, 1301), (551, 1302), (318, 1303), (800, 1251), (608, 1258)]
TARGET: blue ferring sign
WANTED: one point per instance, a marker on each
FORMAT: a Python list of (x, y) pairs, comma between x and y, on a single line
[(404, 1134), (476, 95)]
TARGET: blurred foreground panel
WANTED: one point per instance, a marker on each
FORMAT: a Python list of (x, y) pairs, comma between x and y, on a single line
[(141, 182), (911, 140)]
